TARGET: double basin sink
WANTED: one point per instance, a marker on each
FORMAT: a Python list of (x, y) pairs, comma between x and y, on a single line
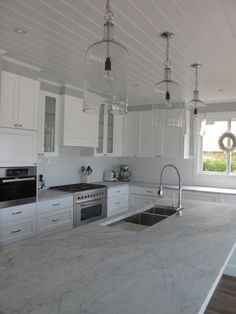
[(148, 217)]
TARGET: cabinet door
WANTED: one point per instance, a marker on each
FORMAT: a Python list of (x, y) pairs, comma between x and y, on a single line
[(9, 99), (80, 128), (130, 135), (28, 103), (147, 135), (49, 124), (142, 201), (17, 147)]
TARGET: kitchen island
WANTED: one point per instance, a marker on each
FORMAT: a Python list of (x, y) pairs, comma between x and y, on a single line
[(167, 268)]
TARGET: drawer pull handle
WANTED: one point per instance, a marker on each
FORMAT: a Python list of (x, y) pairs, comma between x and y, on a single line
[(148, 191), (56, 204), (118, 191), (15, 124), (117, 203), (15, 231), (16, 213), (20, 125), (54, 220)]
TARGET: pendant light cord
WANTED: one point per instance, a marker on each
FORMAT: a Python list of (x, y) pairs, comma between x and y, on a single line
[(196, 79), (167, 63)]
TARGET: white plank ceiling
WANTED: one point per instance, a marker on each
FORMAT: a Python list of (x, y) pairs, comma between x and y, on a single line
[(60, 31)]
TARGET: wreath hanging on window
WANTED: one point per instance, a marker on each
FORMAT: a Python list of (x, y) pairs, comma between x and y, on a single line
[(224, 147)]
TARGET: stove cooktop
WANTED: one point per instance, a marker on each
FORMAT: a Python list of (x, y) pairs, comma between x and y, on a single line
[(78, 187)]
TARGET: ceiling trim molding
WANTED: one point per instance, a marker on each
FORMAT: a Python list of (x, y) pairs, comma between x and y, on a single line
[(23, 64), (73, 87), (50, 82)]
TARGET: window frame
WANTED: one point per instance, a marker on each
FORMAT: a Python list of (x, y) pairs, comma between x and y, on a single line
[(198, 144)]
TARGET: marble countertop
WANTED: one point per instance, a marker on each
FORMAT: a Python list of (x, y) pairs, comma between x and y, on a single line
[(171, 186), (44, 195), (168, 268)]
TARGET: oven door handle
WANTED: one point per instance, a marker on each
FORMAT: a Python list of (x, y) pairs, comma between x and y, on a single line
[(87, 204), (18, 180)]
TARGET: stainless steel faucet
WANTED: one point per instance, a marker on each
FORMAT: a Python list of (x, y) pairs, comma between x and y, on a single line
[(178, 207)]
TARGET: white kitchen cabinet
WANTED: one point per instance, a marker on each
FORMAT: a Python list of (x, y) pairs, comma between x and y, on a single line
[(14, 213), (144, 190), (130, 134), (17, 147), (200, 196), (118, 199), (147, 143), (142, 195), (80, 128), (227, 199), (54, 215), (49, 118), (19, 102), (17, 223), (17, 230), (109, 133), (141, 200)]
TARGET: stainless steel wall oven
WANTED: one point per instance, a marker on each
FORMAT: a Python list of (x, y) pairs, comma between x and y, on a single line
[(18, 185)]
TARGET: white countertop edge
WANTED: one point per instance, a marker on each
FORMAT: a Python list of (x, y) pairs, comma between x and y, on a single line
[(212, 290)]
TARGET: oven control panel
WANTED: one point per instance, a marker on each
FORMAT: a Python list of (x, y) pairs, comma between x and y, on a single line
[(90, 195)]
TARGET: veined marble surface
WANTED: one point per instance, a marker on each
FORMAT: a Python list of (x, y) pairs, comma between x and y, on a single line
[(168, 268), (170, 186)]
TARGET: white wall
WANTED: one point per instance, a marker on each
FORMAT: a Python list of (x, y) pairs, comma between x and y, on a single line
[(65, 168), (148, 169)]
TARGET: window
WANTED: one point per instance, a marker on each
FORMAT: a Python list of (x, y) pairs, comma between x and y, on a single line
[(211, 159)]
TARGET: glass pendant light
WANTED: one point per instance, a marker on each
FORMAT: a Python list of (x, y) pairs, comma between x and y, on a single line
[(167, 95), (195, 103), (106, 71)]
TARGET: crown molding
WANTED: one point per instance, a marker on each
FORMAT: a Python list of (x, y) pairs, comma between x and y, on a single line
[(50, 82), (23, 64)]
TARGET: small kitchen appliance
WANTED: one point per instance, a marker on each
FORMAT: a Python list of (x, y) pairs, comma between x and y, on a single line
[(110, 175), (90, 201), (124, 173)]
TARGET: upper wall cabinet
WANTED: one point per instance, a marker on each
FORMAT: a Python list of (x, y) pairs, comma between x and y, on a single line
[(109, 133), (142, 139), (130, 134), (19, 102), (49, 124), (80, 128)]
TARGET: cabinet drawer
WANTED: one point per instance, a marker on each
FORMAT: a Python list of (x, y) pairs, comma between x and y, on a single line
[(55, 204), (12, 232), (140, 201), (140, 190), (17, 212), (200, 196), (57, 221), (118, 190), (227, 198), (117, 204)]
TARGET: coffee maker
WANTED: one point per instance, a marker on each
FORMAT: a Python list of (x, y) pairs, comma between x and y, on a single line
[(124, 173)]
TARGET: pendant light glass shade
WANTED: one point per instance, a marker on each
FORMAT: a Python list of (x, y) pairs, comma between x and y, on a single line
[(106, 71), (167, 95), (195, 103)]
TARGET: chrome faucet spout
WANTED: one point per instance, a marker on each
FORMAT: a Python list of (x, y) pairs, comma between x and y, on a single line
[(178, 207)]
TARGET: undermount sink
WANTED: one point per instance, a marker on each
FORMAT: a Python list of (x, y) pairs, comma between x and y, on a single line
[(144, 218), (162, 210)]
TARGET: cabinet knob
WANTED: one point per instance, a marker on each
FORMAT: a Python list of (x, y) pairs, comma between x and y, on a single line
[(15, 124), (16, 213), (20, 125), (15, 231)]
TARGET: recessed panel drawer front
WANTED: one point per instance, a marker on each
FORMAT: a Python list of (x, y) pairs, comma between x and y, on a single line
[(55, 204), (140, 201), (15, 231), (17, 212), (118, 190), (141, 190), (116, 204), (59, 220)]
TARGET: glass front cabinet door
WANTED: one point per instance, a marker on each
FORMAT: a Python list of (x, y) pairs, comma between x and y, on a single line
[(48, 139), (109, 134)]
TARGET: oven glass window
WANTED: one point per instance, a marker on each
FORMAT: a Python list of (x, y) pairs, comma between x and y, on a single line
[(91, 212), (17, 190)]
